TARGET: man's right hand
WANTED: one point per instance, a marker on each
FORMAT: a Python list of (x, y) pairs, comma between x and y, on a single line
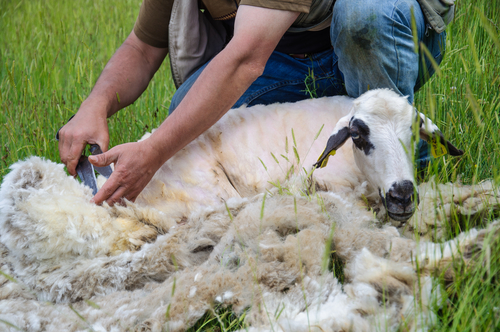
[(127, 75), (88, 126)]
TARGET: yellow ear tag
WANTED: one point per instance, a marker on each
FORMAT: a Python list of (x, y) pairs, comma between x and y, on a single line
[(325, 161), (437, 148)]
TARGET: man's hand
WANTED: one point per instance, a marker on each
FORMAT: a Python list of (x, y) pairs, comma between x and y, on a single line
[(126, 75), (135, 165), (86, 127)]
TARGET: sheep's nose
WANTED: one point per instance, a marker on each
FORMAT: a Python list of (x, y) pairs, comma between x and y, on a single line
[(402, 192), (399, 200)]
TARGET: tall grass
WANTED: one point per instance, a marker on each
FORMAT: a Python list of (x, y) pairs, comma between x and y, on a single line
[(464, 98), (51, 53)]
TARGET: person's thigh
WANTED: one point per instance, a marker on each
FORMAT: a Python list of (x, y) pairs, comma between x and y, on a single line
[(375, 46), (285, 79), (289, 79)]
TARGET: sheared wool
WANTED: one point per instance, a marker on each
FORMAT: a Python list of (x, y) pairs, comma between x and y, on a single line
[(264, 255)]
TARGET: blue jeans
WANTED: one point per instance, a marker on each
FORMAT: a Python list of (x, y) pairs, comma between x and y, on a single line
[(373, 48)]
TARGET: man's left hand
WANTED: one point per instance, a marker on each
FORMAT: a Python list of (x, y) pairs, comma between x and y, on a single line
[(135, 165)]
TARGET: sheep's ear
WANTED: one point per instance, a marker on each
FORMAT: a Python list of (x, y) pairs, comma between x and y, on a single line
[(430, 133), (338, 137)]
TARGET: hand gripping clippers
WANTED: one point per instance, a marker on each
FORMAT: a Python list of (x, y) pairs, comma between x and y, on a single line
[(86, 171)]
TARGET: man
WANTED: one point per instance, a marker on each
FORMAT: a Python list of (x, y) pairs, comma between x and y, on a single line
[(368, 45)]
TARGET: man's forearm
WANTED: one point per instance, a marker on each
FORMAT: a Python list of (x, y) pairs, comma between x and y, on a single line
[(220, 85), (126, 75), (215, 91)]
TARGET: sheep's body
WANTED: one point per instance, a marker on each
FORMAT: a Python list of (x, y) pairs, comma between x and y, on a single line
[(196, 237), (235, 157)]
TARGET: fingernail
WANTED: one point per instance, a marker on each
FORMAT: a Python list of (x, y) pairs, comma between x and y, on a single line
[(92, 201)]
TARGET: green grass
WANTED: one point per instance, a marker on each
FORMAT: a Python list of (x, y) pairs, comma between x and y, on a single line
[(51, 53)]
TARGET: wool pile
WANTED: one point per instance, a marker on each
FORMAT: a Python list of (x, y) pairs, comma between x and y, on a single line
[(70, 265)]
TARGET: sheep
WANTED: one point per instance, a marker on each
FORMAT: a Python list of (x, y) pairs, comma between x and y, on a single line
[(202, 234), (229, 157)]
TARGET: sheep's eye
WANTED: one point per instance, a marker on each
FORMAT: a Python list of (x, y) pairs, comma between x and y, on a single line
[(355, 136)]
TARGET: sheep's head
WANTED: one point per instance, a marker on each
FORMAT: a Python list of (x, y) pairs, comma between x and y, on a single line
[(381, 125)]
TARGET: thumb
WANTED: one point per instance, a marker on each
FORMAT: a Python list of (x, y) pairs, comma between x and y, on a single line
[(103, 143), (103, 159)]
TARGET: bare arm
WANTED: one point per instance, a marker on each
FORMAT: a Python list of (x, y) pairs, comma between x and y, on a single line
[(224, 80), (125, 77)]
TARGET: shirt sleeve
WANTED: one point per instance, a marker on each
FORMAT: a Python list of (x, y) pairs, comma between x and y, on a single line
[(301, 6), (151, 26)]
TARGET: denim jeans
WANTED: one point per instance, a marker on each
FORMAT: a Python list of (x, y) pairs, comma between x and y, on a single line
[(372, 47)]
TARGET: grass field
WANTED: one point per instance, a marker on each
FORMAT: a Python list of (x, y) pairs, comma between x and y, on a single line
[(51, 53)]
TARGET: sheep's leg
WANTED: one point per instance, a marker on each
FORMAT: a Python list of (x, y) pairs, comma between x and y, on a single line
[(426, 257), (467, 247), (440, 202)]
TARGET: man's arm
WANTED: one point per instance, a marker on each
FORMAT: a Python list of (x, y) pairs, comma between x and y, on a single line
[(124, 78), (224, 80)]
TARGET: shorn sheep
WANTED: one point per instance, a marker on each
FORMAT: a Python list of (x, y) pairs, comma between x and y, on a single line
[(238, 219)]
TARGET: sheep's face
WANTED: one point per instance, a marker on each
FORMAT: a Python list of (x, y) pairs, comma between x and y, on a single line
[(381, 130), (380, 126)]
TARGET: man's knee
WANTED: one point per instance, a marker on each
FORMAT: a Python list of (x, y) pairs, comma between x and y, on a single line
[(363, 22)]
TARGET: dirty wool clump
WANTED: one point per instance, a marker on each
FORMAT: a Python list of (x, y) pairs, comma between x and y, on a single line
[(70, 265)]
